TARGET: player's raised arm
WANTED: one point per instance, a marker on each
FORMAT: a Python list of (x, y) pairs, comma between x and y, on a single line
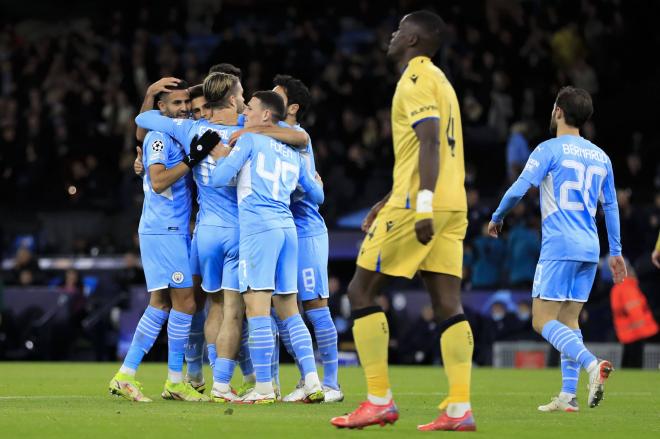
[(296, 138), (611, 210), (164, 85), (153, 120), (310, 185), (228, 167)]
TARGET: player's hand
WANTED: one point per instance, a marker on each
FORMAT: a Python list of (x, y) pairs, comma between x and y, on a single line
[(200, 147), (220, 151), (138, 166), (655, 258), (163, 85), (424, 230), (236, 134), (618, 266), (371, 216), (494, 229)]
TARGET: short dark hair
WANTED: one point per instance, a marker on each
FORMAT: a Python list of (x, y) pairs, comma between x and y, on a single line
[(273, 102), (181, 85), (576, 104), (226, 68), (196, 91), (296, 93), (433, 28)]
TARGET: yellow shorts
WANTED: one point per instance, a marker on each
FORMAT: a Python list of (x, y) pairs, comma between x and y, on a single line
[(391, 246)]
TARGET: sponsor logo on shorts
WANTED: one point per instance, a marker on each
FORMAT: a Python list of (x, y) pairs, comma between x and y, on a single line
[(177, 277)]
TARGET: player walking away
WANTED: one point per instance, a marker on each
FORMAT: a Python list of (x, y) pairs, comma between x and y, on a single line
[(573, 175), (268, 173), (217, 244), (418, 227), (164, 248), (312, 255)]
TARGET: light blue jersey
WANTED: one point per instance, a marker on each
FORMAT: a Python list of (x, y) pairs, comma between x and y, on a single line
[(573, 175), (169, 211), (217, 206), (268, 173), (309, 221)]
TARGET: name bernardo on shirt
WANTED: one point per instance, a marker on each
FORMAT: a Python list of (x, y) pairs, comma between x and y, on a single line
[(585, 153)]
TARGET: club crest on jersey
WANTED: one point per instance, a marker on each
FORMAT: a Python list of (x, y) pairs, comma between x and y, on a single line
[(177, 277), (157, 146)]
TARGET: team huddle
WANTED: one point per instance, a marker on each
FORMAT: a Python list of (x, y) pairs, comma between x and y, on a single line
[(257, 221), (260, 245)]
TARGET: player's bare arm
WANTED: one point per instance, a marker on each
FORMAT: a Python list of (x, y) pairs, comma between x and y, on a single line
[(427, 132), (163, 85), (162, 178), (296, 138)]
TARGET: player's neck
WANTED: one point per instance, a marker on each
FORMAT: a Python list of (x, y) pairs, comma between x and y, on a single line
[(291, 121), (405, 59), (224, 116), (568, 131)]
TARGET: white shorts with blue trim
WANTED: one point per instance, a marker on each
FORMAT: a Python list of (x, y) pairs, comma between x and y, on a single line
[(268, 261), (564, 280), (218, 257), (166, 261), (313, 267)]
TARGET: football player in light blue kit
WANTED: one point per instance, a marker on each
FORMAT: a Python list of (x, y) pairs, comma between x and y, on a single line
[(164, 248), (573, 175), (217, 230), (268, 173), (312, 254)]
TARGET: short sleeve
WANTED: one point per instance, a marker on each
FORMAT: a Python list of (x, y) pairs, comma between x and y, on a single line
[(155, 149), (538, 165), (419, 98)]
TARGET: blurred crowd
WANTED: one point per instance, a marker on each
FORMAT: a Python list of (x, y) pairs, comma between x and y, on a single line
[(70, 89)]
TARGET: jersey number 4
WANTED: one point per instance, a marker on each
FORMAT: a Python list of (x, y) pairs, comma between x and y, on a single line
[(583, 184)]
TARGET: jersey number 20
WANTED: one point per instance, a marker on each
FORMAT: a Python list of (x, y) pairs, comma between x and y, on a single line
[(584, 183)]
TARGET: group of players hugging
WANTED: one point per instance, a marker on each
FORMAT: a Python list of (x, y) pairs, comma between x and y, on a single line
[(259, 243)]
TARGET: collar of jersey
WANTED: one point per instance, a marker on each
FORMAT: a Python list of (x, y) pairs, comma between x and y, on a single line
[(416, 60)]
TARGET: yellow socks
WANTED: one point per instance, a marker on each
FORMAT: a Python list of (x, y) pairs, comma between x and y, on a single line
[(457, 345), (372, 336)]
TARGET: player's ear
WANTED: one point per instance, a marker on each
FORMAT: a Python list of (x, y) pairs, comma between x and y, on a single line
[(293, 109), (161, 106), (412, 39)]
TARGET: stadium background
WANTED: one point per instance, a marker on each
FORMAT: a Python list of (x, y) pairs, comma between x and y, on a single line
[(72, 80)]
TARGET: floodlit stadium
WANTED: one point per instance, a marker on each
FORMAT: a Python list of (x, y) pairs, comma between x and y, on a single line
[(295, 219)]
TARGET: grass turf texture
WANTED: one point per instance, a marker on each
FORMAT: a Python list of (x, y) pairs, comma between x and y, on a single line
[(71, 400)]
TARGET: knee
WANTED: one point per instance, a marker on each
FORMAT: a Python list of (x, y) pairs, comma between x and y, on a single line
[(357, 295), (185, 303), (446, 307)]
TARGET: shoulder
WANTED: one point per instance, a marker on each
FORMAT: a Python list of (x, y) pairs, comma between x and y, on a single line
[(156, 141), (548, 147)]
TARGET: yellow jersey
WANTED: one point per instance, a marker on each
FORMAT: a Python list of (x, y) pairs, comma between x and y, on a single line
[(424, 92)]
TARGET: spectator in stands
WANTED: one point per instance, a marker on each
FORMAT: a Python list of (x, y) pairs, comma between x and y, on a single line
[(421, 340), (26, 271), (488, 260), (522, 252), (517, 149)]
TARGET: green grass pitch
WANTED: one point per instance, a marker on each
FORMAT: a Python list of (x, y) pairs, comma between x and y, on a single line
[(70, 400)]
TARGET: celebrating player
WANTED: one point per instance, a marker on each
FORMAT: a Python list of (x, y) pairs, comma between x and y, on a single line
[(418, 227), (268, 173), (573, 175), (164, 247), (312, 254)]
